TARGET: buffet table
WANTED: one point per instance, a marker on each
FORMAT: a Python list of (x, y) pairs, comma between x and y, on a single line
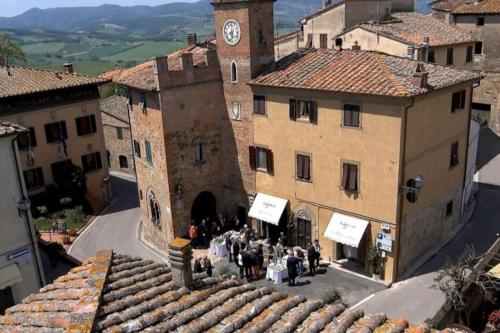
[(277, 273)]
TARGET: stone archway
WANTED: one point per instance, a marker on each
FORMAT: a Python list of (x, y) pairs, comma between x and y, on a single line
[(205, 205)]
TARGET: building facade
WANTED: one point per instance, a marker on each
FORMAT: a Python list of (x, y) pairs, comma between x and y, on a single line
[(350, 146), (61, 111), (117, 134), (21, 271)]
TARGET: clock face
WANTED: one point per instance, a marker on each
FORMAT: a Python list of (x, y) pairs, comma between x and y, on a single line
[(231, 32)]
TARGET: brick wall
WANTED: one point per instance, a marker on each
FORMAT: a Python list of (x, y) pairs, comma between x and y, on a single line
[(116, 148)]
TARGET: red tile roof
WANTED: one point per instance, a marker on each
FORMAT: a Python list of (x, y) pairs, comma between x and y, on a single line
[(142, 76), (357, 72), (114, 111), (481, 7), (413, 27), (9, 129), (112, 74), (118, 293), (448, 5), (15, 81)]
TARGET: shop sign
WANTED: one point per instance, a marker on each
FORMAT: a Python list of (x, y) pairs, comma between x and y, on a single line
[(384, 242)]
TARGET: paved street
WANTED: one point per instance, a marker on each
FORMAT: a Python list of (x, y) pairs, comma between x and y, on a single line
[(117, 227), (413, 298)]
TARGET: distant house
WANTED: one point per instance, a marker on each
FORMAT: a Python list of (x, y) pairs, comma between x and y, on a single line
[(117, 136)]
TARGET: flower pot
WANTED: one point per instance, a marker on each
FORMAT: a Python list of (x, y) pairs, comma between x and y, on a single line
[(66, 240), (72, 233)]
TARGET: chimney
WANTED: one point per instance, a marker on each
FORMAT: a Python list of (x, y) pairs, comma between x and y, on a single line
[(180, 255), (420, 76), (160, 65), (338, 44), (192, 39), (187, 60), (2, 61), (356, 47), (68, 68)]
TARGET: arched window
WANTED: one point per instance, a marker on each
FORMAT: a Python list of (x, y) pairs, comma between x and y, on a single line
[(234, 72), (123, 162), (154, 210)]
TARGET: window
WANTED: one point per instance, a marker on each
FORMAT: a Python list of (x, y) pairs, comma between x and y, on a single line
[(350, 177), (91, 162), (469, 54), (478, 48), (149, 155), (56, 132), (60, 169), (26, 140), (303, 167), (234, 73), (481, 107), (123, 162), (431, 57), (261, 159), (449, 56), (309, 43), (119, 133), (34, 178), (449, 209), (458, 101), (454, 155), (351, 115), (259, 104), (323, 41), (108, 156), (86, 125), (305, 110), (198, 153), (480, 22), (143, 102), (137, 149)]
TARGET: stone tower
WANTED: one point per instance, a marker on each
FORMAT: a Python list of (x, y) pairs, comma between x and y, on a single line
[(244, 32)]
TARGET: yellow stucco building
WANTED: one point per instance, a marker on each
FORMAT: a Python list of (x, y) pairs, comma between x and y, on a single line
[(61, 111), (359, 149)]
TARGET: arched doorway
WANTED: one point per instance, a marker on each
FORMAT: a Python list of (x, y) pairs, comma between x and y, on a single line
[(205, 205)]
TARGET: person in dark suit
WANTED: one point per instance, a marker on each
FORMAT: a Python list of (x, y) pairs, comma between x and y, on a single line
[(247, 264), (197, 266), (291, 265), (311, 258)]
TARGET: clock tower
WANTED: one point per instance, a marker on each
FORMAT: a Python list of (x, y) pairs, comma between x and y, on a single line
[(244, 32)]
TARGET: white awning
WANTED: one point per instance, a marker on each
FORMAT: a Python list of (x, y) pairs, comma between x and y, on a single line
[(346, 229), (267, 208), (10, 275)]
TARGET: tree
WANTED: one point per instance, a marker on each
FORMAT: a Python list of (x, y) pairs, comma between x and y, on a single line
[(456, 278), (10, 50)]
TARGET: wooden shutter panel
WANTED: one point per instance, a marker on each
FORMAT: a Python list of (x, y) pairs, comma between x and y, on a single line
[(79, 126), (293, 109), (252, 153), (300, 167), (462, 99), (270, 161), (355, 116), (455, 101), (64, 131), (306, 167), (93, 123), (347, 115), (353, 177), (313, 112), (98, 160), (345, 176)]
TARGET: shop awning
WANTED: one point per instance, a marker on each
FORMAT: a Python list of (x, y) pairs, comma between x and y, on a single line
[(10, 275), (267, 208), (346, 229)]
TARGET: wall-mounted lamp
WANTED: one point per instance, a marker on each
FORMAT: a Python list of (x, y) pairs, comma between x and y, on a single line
[(23, 206), (412, 188)]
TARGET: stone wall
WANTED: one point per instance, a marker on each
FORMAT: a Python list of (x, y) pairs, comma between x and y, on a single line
[(119, 147)]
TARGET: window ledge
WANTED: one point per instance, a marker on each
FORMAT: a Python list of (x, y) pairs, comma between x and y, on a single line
[(260, 115), (359, 128), (307, 181)]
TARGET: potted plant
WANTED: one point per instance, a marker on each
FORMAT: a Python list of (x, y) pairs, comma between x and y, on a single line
[(72, 232), (66, 239), (376, 261)]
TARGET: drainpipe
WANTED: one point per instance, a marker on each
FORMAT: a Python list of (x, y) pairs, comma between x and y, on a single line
[(401, 198), (40, 278)]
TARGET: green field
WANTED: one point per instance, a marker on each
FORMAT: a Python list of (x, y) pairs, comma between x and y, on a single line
[(146, 51), (40, 48)]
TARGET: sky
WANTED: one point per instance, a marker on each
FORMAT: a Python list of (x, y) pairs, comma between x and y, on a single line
[(15, 7)]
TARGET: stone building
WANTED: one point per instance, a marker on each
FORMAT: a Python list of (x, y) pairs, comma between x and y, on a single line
[(413, 35), (21, 271), (117, 135), (319, 29), (387, 124), (117, 293), (61, 111)]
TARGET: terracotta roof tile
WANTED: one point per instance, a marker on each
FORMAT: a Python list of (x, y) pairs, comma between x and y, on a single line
[(15, 81), (139, 296), (357, 72), (142, 76), (9, 129), (480, 7), (448, 5), (114, 111), (413, 27)]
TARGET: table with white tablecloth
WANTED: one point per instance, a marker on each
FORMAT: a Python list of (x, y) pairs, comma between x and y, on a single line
[(218, 249), (276, 275)]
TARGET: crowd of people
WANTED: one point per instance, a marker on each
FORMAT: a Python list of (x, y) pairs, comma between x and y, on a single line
[(202, 233), (203, 265)]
